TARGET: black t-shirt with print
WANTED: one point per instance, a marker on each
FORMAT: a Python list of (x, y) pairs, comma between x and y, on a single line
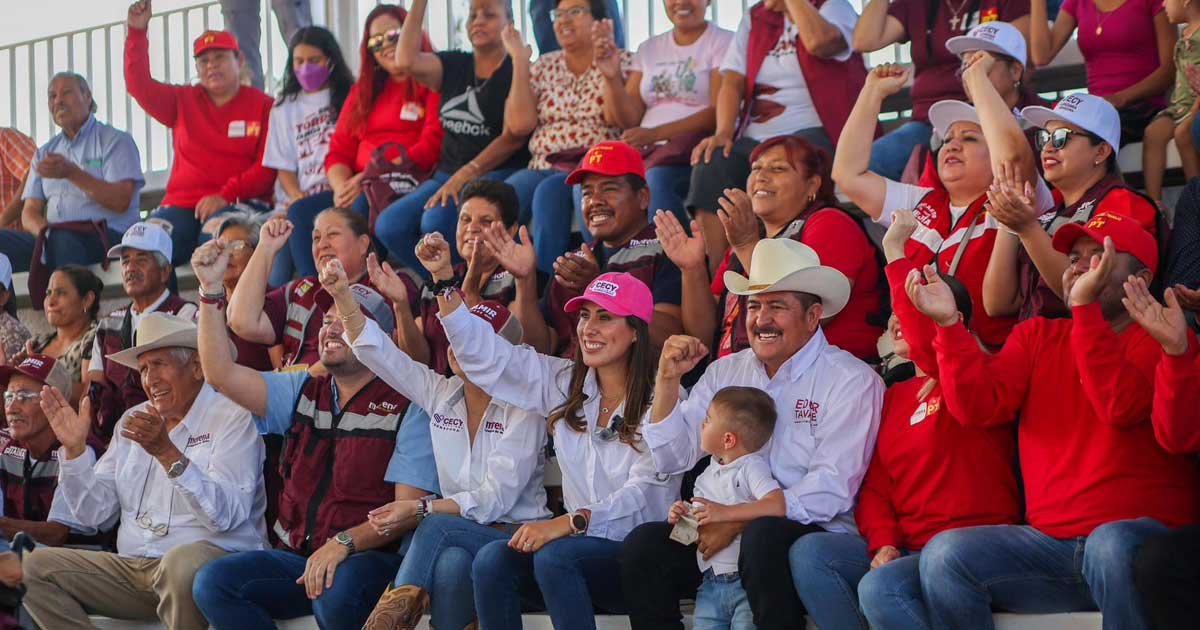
[(472, 110)]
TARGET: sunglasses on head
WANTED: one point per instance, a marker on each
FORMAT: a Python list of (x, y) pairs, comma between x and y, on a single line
[(1058, 138), (376, 43)]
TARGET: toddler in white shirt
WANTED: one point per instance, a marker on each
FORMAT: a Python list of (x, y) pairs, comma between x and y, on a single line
[(736, 486)]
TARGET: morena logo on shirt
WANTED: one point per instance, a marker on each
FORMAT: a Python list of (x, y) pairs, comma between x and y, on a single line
[(492, 426), (605, 287), (197, 440), (387, 407), (446, 423)]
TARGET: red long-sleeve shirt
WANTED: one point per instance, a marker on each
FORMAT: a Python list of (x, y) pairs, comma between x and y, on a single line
[(1176, 414), (218, 150), (405, 113), (1087, 448)]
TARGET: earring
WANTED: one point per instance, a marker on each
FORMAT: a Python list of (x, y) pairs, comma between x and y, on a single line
[(812, 198)]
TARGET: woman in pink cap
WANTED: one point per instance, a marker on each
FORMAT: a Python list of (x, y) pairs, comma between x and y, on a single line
[(595, 405)]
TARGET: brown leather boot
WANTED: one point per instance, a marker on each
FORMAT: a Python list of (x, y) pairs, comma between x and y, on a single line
[(399, 608)]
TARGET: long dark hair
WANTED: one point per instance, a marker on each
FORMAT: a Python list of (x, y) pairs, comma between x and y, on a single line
[(85, 282), (639, 387), (371, 77), (340, 77)]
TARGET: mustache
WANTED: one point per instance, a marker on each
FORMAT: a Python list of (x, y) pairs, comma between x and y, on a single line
[(767, 329)]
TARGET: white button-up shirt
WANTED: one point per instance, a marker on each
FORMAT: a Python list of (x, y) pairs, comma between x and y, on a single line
[(496, 478), (743, 480), (828, 404), (219, 498), (614, 480)]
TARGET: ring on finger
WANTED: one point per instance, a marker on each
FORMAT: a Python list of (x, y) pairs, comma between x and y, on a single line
[(528, 546)]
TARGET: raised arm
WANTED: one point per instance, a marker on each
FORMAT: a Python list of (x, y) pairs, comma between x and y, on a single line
[(819, 36), (157, 98), (520, 260), (246, 315), (87, 489), (876, 29), (520, 109), (1007, 145), (673, 430), (425, 67), (621, 107), (697, 309), (240, 384), (852, 159), (1045, 41)]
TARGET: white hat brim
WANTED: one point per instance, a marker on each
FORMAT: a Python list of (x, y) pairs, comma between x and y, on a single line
[(963, 44), (1039, 116), (827, 283), (943, 114)]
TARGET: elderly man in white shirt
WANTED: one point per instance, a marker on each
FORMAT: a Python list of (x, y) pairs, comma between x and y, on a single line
[(828, 404), (183, 474)]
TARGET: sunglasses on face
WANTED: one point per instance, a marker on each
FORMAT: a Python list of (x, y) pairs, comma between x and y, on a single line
[(612, 431), (376, 43), (568, 14), (1057, 138)]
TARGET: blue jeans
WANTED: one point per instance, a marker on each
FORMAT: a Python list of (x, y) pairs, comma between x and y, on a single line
[(574, 575), (543, 26), (248, 590), (966, 572), (721, 604), (551, 209), (890, 596), (439, 561), (62, 248), (303, 214), (826, 569), (890, 153)]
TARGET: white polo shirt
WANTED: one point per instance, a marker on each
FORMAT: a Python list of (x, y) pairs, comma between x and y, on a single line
[(498, 478), (614, 480), (828, 403), (744, 480)]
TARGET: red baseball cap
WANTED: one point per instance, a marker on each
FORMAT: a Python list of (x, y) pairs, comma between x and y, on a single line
[(501, 319), (1128, 236), (220, 40), (618, 293), (41, 368), (610, 158)]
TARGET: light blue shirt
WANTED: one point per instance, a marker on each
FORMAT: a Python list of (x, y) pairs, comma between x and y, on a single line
[(412, 462), (105, 153)]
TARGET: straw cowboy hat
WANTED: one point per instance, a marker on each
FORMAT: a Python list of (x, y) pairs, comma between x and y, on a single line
[(781, 264), (158, 330)]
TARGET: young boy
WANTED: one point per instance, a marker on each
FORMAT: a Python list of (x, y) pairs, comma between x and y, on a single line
[(736, 486)]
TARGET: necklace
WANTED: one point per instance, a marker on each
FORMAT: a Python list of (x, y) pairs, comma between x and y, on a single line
[(1104, 15), (958, 22)]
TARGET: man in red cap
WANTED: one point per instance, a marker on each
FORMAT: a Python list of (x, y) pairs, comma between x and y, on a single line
[(1097, 484), (219, 130), (28, 451), (615, 201)]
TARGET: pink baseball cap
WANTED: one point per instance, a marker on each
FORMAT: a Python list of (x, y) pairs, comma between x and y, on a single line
[(618, 293)]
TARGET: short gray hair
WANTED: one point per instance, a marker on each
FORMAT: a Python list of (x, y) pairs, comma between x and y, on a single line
[(162, 260), (251, 222), (182, 356), (83, 85)]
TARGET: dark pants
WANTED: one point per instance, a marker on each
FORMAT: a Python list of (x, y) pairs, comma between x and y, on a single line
[(657, 572), (62, 248), (245, 591), (1167, 575)]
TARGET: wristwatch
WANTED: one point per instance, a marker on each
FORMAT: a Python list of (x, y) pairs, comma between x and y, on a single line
[(424, 508), (346, 540), (579, 523), (176, 469)]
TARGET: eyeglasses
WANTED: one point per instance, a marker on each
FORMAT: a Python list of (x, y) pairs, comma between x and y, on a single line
[(160, 530), (610, 432), (568, 14), (21, 396), (376, 43), (1057, 138)]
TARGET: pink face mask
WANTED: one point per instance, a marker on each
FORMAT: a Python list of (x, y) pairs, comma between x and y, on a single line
[(312, 76)]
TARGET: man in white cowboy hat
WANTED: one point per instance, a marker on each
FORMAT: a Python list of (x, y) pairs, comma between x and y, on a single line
[(828, 404), (145, 255), (184, 476)]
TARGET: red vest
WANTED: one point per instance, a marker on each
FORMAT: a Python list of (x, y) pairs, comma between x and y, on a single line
[(114, 334), (333, 464), (839, 82), (938, 238), (501, 287), (307, 302)]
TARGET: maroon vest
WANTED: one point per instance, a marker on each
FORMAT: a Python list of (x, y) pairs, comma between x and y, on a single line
[(114, 333), (839, 82), (333, 464), (501, 287)]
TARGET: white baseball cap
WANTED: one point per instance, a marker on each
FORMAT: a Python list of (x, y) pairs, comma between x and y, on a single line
[(5, 272), (1090, 113), (996, 37), (942, 114), (147, 236)]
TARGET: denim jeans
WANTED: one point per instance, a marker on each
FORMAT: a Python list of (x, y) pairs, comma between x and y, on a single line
[(721, 604), (575, 575), (543, 26), (551, 209), (890, 153), (439, 561), (244, 19), (303, 214), (826, 569), (247, 590), (62, 248), (967, 572)]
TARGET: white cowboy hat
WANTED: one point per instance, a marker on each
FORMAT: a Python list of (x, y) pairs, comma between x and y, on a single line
[(160, 330), (781, 264)]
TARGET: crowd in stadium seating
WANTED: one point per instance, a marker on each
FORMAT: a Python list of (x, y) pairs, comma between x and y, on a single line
[(423, 286)]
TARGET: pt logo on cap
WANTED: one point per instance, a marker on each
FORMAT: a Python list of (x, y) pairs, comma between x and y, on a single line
[(210, 38), (605, 287), (1099, 220), (596, 155)]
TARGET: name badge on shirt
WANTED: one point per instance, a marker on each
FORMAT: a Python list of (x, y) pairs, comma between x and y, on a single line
[(919, 414), (410, 112), (94, 163), (237, 129)]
